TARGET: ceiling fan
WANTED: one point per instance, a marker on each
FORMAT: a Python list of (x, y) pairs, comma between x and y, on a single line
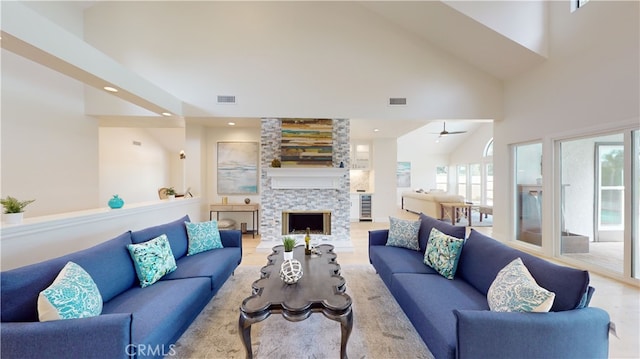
[(446, 133)]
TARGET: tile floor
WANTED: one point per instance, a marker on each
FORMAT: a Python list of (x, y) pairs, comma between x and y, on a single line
[(620, 300)]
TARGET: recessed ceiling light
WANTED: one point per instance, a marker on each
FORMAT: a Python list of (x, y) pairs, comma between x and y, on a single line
[(166, 114), (231, 123), (376, 130), (110, 89)]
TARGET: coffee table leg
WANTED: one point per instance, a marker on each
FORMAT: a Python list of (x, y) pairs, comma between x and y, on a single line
[(346, 324), (244, 327)]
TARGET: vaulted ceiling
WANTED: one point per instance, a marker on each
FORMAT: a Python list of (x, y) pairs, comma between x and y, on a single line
[(429, 24)]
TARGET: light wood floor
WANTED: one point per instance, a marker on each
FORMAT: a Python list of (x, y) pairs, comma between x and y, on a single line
[(621, 301)]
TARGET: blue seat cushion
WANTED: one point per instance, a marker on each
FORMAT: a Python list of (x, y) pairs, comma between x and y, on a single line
[(216, 265), (176, 232), (429, 302), (108, 264), (389, 260), (427, 223), (483, 257), (159, 309)]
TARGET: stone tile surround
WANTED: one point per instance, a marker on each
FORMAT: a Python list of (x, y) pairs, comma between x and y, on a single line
[(274, 201)]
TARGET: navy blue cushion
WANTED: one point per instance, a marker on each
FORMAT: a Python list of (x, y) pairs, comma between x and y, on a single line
[(427, 223), (216, 264), (163, 311), (483, 257), (388, 260), (429, 301), (108, 263), (176, 232)]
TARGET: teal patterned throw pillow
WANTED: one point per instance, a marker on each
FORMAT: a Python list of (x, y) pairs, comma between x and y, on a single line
[(73, 294), (153, 259), (403, 233), (515, 290), (443, 253), (203, 237)]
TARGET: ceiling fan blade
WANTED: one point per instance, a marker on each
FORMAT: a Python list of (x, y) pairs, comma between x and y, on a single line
[(456, 132)]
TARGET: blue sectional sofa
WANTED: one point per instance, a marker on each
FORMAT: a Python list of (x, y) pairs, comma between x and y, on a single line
[(135, 322), (453, 316)]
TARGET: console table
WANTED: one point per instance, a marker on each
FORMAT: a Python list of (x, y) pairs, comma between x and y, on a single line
[(254, 208)]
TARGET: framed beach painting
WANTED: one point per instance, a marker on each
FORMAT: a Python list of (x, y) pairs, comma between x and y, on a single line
[(307, 142), (404, 174), (238, 167)]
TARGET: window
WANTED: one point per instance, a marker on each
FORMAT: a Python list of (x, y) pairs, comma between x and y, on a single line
[(488, 178), (488, 149), (461, 181), (442, 178), (599, 186), (528, 165), (475, 177)]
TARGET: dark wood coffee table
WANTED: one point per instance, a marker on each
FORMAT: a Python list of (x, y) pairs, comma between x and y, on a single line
[(321, 289)]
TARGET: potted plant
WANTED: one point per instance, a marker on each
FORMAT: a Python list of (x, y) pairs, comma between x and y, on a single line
[(288, 243), (14, 209), (171, 193)]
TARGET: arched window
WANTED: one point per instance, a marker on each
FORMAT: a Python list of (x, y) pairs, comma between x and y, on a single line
[(488, 149)]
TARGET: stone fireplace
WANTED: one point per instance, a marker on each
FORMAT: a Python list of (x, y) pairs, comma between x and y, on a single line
[(299, 190)]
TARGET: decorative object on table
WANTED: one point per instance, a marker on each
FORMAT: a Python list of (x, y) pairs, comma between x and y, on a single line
[(275, 163), (171, 193), (288, 243), (291, 271), (115, 202), (307, 242), (307, 142), (247, 200), (225, 200), (238, 167), (14, 209), (341, 164)]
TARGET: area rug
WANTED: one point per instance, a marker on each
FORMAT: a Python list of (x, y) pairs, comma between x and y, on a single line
[(475, 221), (380, 327)]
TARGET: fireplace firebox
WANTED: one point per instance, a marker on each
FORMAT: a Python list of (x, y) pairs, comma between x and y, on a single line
[(296, 222)]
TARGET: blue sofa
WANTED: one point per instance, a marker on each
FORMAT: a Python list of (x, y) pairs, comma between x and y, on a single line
[(453, 316), (135, 322)]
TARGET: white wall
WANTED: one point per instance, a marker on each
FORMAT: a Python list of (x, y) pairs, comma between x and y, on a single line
[(590, 82), (134, 172), (49, 147), (384, 199), (228, 134), (472, 150), (525, 22)]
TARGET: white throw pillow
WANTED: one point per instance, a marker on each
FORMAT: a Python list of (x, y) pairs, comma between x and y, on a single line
[(73, 294), (515, 290)]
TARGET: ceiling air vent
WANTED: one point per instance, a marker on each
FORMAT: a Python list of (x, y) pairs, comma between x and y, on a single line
[(227, 99), (397, 101)]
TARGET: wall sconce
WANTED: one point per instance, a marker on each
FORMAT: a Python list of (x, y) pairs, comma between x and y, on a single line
[(182, 155)]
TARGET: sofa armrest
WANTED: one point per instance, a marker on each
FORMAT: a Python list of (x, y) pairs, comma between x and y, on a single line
[(378, 237), (578, 333), (105, 336), (231, 238)]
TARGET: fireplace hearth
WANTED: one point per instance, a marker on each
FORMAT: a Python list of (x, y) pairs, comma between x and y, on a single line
[(296, 222)]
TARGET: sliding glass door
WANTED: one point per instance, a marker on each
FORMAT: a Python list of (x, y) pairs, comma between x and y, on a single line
[(599, 200)]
